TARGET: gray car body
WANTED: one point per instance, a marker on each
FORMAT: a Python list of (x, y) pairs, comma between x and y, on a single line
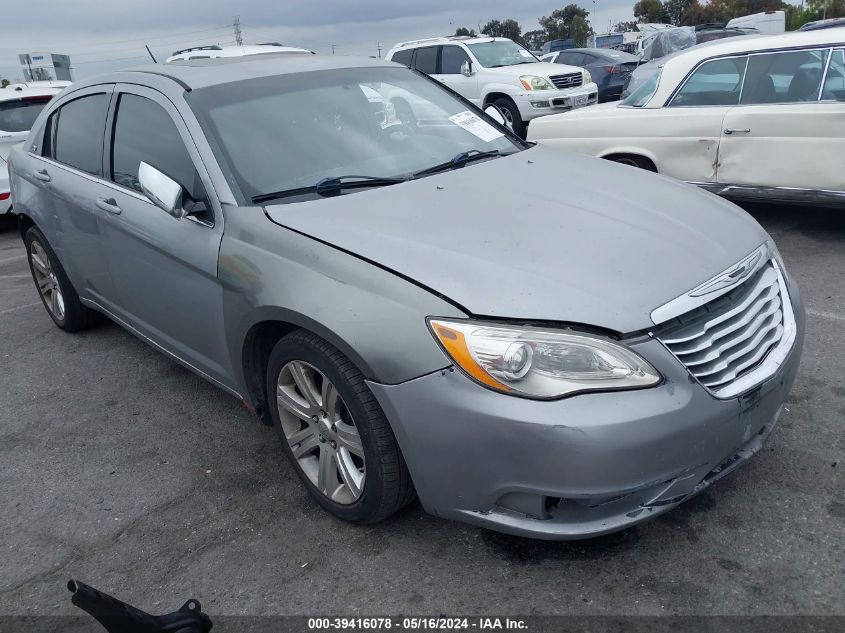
[(535, 237)]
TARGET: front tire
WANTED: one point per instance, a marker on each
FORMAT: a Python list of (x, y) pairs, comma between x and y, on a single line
[(334, 432), (57, 293), (512, 116), (631, 160)]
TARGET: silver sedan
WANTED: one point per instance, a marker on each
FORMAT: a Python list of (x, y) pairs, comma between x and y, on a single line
[(421, 303)]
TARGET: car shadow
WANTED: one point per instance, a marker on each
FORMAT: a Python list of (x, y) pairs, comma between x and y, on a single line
[(821, 224), (8, 223)]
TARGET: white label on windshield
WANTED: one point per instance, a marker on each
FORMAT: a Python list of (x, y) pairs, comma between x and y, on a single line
[(475, 125), (525, 53)]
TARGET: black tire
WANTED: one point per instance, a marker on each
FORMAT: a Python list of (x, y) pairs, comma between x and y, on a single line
[(635, 161), (387, 484), (512, 116), (73, 317)]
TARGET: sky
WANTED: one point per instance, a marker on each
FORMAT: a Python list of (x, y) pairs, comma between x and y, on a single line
[(102, 35)]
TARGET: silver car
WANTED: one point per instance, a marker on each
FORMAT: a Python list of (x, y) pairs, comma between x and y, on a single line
[(535, 342)]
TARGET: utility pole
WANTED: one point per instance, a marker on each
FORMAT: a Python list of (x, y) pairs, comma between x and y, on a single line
[(236, 26), (378, 46)]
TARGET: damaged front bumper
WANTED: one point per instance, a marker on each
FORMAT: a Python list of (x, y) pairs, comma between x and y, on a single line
[(581, 466)]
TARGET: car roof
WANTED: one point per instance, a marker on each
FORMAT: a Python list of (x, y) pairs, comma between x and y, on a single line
[(449, 39), (12, 94), (831, 23), (193, 74), (234, 51)]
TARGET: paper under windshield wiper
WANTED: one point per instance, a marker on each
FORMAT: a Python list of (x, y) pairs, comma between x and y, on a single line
[(458, 161), (329, 186)]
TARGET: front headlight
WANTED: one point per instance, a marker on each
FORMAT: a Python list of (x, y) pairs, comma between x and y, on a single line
[(542, 364), (531, 82), (588, 78)]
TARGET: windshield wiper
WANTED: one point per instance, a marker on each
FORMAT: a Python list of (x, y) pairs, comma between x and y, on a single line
[(330, 186), (458, 161)]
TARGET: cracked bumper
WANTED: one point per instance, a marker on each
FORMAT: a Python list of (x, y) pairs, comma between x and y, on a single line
[(581, 466)]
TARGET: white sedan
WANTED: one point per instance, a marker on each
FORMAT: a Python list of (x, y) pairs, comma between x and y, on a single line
[(20, 104), (758, 117)]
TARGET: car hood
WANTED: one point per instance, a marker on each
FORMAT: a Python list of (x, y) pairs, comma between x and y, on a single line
[(539, 235), (542, 69)]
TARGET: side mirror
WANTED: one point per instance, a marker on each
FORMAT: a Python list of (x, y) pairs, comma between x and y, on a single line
[(163, 191), (466, 69), (493, 112)]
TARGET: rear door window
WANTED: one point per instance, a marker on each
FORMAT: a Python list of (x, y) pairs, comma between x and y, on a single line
[(77, 130), (834, 83), (403, 57), (714, 83), (785, 77), (426, 60), (451, 59), (19, 115)]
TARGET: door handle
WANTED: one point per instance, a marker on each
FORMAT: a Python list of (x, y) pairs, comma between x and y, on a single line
[(737, 130), (42, 175), (109, 205)]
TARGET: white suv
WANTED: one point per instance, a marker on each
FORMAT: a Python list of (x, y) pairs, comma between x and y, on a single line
[(494, 70)]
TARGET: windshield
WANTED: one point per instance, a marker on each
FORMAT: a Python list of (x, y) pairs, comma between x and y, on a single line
[(291, 131), (642, 92), (501, 53)]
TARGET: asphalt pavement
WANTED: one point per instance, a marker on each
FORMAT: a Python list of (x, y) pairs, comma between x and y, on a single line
[(122, 469)]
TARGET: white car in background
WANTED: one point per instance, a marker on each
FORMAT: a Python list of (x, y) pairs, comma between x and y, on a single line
[(20, 104), (497, 71), (755, 118), (214, 51)]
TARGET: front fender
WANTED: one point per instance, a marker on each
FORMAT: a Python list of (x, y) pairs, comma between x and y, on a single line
[(377, 318)]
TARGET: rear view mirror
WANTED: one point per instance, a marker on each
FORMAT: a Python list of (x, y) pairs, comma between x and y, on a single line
[(493, 112), (162, 190), (466, 69)]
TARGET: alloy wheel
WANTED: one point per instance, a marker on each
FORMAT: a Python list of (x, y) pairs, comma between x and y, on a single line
[(46, 280), (321, 432)]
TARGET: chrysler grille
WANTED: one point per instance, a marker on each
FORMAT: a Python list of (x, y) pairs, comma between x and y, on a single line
[(730, 336), (570, 80)]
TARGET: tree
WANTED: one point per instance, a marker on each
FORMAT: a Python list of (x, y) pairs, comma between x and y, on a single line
[(506, 28), (579, 30), (534, 40), (4, 82), (624, 27), (465, 31), (675, 10), (650, 11), (558, 25)]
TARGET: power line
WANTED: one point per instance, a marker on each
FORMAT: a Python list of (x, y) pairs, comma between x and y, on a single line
[(169, 36), (236, 27), (170, 44), (107, 60)]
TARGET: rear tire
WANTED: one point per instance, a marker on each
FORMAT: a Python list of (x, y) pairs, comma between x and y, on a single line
[(512, 116), (334, 432), (57, 293)]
